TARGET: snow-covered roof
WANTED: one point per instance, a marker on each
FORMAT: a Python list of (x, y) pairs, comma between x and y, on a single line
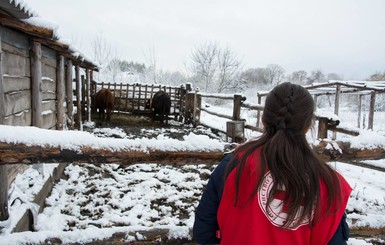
[(28, 21), (17, 8)]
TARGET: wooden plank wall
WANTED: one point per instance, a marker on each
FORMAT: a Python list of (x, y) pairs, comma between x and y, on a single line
[(16, 82), (16, 78), (49, 64)]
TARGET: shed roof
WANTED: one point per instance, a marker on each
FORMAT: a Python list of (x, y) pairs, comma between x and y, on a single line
[(18, 9), (18, 15)]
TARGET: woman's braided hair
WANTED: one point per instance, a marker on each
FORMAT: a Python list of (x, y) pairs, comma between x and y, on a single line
[(287, 116)]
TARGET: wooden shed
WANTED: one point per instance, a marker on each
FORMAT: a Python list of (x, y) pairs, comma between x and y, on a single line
[(37, 70)]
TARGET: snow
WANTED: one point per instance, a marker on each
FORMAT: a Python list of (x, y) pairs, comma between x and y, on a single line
[(97, 201), (74, 140)]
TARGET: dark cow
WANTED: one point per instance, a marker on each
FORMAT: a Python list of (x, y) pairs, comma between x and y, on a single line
[(160, 104), (103, 100)]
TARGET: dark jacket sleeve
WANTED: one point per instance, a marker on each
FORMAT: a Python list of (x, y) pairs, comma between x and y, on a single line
[(342, 233), (206, 224)]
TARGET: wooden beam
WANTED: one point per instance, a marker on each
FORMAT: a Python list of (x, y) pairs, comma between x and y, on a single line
[(69, 95), (29, 154), (88, 91), (4, 214), (60, 91), (371, 109), (2, 97), (237, 107), (336, 106), (65, 50), (12, 22), (36, 74), (78, 96), (359, 111)]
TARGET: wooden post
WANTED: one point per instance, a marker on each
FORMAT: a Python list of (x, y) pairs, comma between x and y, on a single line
[(237, 107), (83, 95), (60, 93), (36, 84), (315, 98), (69, 93), (126, 108), (88, 95), (2, 96), (4, 214), (188, 87), (337, 106), (259, 111), (359, 111), (182, 105), (78, 96), (197, 108), (322, 128), (120, 97), (371, 109)]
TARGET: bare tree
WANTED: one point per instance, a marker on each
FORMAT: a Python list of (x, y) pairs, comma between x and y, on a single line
[(102, 51), (297, 77), (334, 76), (215, 69), (274, 74), (228, 69), (150, 57), (378, 76), (204, 64), (316, 76)]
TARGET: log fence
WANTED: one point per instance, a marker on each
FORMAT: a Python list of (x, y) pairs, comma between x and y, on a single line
[(134, 97)]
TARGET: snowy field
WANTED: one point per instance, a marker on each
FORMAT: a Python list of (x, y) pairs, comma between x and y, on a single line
[(96, 201)]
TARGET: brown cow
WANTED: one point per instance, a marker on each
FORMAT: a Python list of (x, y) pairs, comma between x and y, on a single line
[(104, 101)]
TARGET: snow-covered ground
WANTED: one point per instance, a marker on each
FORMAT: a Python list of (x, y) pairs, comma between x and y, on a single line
[(94, 202)]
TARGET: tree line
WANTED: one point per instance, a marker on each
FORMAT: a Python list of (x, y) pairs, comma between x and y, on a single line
[(211, 68)]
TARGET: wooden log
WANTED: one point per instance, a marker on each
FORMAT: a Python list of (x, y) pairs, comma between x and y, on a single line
[(69, 95), (88, 91), (197, 109), (36, 71), (21, 153), (27, 28), (259, 112), (26, 221), (261, 130), (342, 151), (2, 98), (336, 105), (83, 93), (78, 95), (359, 111), (371, 109), (17, 102), (4, 214), (15, 83), (322, 128), (60, 94), (237, 107), (16, 65), (343, 130), (217, 114), (23, 118)]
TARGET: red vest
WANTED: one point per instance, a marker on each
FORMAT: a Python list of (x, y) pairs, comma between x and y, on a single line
[(251, 223)]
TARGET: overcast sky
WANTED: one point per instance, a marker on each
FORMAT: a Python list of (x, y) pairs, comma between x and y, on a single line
[(346, 37)]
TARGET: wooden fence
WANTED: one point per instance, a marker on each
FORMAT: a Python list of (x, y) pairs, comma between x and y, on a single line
[(325, 124), (133, 97)]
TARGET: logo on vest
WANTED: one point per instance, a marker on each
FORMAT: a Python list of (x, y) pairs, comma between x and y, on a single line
[(275, 212)]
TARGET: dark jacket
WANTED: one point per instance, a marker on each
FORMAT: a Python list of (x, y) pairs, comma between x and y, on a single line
[(206, 225)]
